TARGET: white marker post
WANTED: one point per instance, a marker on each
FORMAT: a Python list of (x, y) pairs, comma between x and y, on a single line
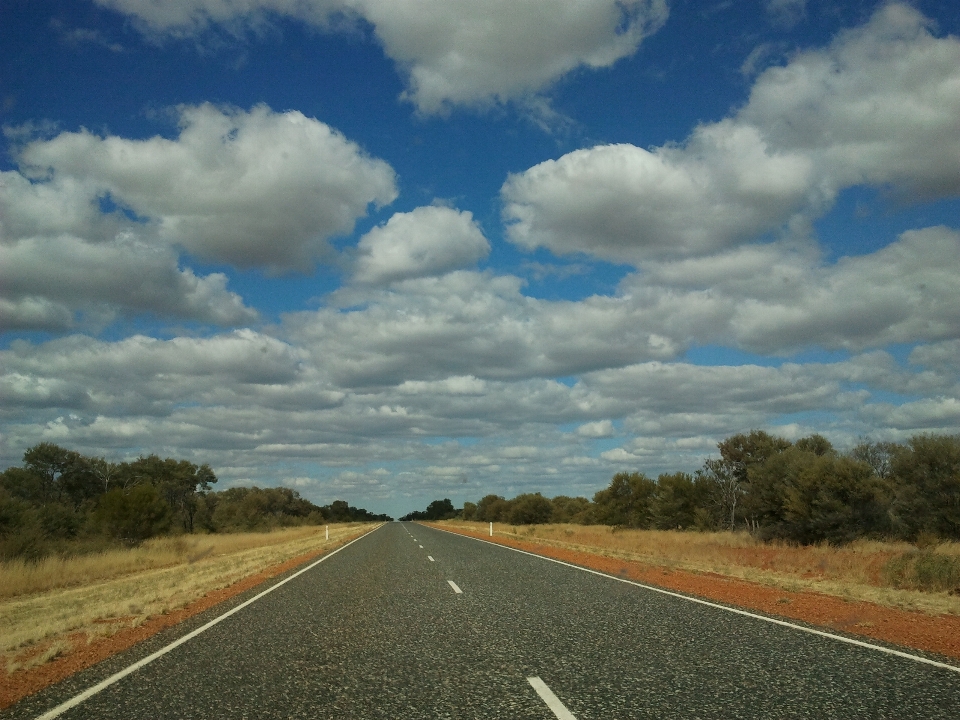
[(328, 532), (491, 529)]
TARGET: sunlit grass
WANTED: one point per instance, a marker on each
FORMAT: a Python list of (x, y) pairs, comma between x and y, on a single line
[(98, 595), (894, 574)]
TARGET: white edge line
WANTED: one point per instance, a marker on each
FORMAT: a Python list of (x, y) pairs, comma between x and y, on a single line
[(552, 701), (456, 589), (738, 611), (91, 691)]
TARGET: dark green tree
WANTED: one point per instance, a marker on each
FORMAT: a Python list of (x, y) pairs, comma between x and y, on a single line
[(626, 501), (529, 509), (133, 515), (676, 501), (926, 478)]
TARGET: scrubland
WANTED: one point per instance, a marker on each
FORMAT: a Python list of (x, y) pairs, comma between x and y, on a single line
[(46, 605), (893, 574)]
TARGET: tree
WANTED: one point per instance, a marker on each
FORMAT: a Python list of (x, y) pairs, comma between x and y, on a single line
[(469, 511), (178, 481), (491, 508), (626, 501), (675, 504), (48, 462), (134, 515), (816, 444), (725, 485), (440, 510), (836, 499), (878, 455), (529, 509), (926, 478), (570, 510)]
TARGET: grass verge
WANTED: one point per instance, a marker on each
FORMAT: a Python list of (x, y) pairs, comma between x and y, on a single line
[(47, 609), (895, 575)]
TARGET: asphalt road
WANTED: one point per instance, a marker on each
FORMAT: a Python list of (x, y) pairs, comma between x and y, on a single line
[(381, 630)]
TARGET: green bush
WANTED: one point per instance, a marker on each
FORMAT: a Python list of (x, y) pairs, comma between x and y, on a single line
[(924, 570)]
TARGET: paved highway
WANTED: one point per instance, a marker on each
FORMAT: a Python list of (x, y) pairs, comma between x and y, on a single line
[(411, 622)]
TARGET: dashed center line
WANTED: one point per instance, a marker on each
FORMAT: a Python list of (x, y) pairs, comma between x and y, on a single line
[(456, 589), (430, 558), (552, 701), (421, 547)]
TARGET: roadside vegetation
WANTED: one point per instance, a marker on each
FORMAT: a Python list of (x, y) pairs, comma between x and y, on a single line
[(890, 573), (60, 503), (802, 499), (54, 605), (90, 547)]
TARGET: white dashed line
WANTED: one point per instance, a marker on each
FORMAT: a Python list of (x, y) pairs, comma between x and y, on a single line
[(552, 701), (430, 558), (421, 547), (736, 611), (456, 589)]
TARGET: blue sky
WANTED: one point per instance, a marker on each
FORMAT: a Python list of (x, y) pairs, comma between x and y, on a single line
[(393, 252)]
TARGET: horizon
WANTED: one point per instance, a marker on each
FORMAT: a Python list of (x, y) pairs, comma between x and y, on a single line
[(402, 252)]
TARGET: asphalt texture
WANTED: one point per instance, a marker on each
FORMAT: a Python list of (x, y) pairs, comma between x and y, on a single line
[(377, 631)]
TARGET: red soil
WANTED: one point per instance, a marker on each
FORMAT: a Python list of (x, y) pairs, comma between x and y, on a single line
[(932, 633), (937, 634), (19, 684)]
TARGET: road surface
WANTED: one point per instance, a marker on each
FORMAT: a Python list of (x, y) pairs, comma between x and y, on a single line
[(413, 622)]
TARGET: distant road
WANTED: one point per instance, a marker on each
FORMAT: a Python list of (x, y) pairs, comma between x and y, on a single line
[(412, 622)]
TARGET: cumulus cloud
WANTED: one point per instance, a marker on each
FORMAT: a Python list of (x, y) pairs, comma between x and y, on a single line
[(57, 283), (453, 52), (597, 429), (427, 241), (471, 323), (878, 106), (254, 188), (471, 51), (91, 225)]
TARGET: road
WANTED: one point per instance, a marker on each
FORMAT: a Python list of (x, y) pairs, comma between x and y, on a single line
[(413, 622)]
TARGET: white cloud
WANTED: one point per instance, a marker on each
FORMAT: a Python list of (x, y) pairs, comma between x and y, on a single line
[(57, 283), (878, 106), (472, 51), (785, 13), (253, 188), (597, 429), (90, 226), (427, 241), (626, 204), (453, 52)]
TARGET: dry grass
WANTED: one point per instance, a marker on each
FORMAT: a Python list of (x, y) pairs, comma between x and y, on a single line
[(858, 571), (99, 595)]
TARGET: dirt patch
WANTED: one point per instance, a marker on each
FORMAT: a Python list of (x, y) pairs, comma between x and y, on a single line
[(931, 633), (85, 651)]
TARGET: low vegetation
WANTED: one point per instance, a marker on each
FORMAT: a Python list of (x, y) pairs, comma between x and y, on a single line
[(804, 492), (61, 504), (49, 606), (892, 573)]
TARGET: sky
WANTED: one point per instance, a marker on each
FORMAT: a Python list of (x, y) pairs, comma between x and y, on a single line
[(391, 252)]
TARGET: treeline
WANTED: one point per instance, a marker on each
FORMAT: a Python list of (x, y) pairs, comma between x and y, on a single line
[(437, 510), (804, 491), (60, 501)]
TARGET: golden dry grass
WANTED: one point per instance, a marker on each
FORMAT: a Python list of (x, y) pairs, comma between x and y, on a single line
[(98, 595), (855, 571)]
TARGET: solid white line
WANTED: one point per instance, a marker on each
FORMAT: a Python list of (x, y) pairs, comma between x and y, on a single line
[(91, 691), (737, 611), (430, 558), (457, 590), (552, 701)]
